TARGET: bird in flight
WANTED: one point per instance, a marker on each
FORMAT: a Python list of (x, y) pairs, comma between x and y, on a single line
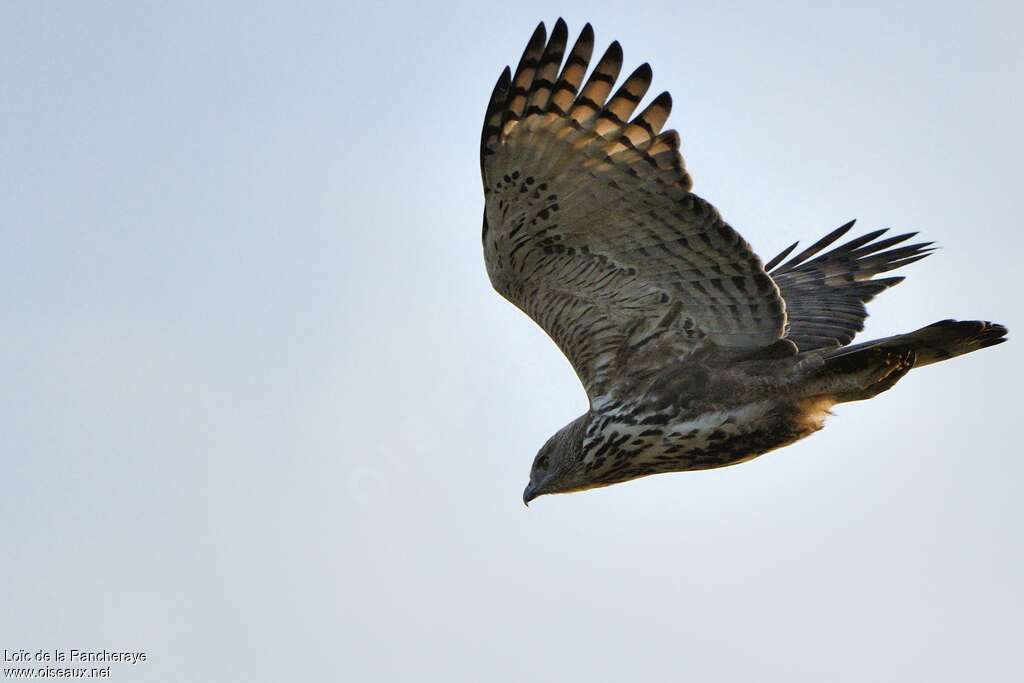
[(694, 353)]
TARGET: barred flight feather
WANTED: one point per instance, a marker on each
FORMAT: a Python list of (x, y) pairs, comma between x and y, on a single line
[(826, 293)]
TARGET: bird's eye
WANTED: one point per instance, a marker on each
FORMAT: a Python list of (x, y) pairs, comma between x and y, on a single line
[(542, 462)]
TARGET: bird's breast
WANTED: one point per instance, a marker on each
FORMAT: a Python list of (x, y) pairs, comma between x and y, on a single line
[(624, 444)]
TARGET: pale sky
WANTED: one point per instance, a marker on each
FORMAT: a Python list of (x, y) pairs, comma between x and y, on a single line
[(266, 420)]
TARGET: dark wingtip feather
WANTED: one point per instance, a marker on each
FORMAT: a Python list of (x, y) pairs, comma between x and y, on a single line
[(560, 29), (899, 263), (662, 101), (614, 51), (495, 105), (778, 259), (819, 245), (537, 39), (586, 37), (536, 42), (883, 244)]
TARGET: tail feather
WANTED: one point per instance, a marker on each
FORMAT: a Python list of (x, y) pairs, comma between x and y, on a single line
[(863, 371), (939, 341)]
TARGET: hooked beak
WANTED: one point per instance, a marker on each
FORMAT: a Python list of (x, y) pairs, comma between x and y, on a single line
[(529, 494)]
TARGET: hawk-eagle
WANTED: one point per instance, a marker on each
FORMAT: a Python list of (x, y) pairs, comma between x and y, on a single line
[(693, 352)]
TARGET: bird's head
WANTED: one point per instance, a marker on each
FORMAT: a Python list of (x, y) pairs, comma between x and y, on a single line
[(558, 467)]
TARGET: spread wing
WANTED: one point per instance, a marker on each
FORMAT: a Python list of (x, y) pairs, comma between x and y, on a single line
[(825, 293), (590, 226)]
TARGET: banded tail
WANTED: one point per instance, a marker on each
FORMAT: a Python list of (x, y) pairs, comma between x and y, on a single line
[(939, 341), (865, 370)]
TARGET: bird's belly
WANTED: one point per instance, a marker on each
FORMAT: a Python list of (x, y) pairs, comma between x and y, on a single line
[(704, 441)]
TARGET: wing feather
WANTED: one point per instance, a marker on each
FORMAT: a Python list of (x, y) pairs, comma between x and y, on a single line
[(590, 226), (826, 293), (588, 105), (568, 85), (547, 70)]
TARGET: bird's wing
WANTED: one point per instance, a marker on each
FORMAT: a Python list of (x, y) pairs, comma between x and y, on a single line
[(825, 293), (590, 226)]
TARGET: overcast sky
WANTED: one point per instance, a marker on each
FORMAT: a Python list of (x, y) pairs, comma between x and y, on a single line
[(265, 419)]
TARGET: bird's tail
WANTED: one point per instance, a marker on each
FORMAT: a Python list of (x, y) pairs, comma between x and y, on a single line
[(939, 341), (865, 370)]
